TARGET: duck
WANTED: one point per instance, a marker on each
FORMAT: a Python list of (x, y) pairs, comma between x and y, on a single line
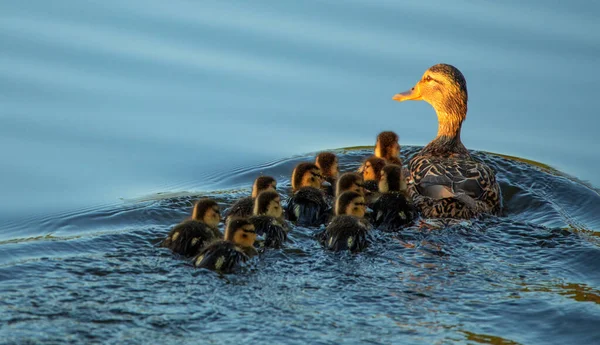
[(445, 180), (350, 181), (348, 230), (227, 255), (307, 206), (268, 219), (392, 211), (328, 164), (189, 236), (387, 147), (244, 206), (371, 171)]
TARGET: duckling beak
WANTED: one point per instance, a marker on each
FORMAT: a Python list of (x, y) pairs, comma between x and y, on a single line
[(410, 95)]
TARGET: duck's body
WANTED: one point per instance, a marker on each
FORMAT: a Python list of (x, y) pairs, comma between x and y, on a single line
[(228, 255), (308, 207), (391, 211), (268, 219), (446, 181), (328, 164), (188, 237), (348, 230)]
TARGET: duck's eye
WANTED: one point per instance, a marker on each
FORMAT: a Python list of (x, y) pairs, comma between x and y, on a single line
[(428, 78), (245, 236)]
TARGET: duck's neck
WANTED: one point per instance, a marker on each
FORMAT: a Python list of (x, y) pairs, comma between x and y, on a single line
[(447, 142)]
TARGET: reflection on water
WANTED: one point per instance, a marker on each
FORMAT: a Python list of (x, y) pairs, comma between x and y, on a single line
[(523, 278)]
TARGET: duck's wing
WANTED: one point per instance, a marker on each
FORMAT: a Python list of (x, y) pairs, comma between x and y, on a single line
[(346, 233), (271, 228), (189, 237), (470, 182), (220, 256), (307, 207)]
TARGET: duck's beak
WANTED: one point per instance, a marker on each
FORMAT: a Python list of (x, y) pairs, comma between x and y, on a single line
[(410, 95)]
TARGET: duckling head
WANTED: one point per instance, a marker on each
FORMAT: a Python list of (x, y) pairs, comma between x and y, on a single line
[(268, 203), (372, 168), (207, 211), (306, 175), (351, 203), (391, 179), (328, 163), (241, 232), (387, 145), (445, 88), (263, 183), (350, 181)]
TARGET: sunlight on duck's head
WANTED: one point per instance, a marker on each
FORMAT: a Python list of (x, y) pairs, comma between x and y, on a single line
[(268, 203), (445, 88), (387, 145), (306, 175), (371, 168), (328, 163), (350, 203), (263, 183), (207, 211), (350, 181), (241, 232)]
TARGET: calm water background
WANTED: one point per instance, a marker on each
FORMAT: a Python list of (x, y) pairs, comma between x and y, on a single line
[(102, 101)]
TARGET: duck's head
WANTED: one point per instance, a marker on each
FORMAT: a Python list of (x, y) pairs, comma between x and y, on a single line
[(387, 145), (445, 88), (350, 181), (263, 183), (268, 203), (241, 232), (391, 179), (306, 175), (328, 163), (207, 211), (371, 168), (351, 203)]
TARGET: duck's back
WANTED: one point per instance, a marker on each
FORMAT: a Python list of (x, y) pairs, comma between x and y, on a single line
[(222, 256), (188, 237), (346, 232), (274, 230), (241, 208), (392, 212), (307, 207)]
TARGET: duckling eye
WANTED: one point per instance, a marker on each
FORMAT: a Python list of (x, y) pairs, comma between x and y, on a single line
[(428, 78), (245, 236)]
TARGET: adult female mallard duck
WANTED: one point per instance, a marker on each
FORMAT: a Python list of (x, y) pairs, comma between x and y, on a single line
[(307, 207), (391, 211), (243, 207), (446, 181), (188, 237), (348, 230), (268, 219), (328, 164), (238, 246)]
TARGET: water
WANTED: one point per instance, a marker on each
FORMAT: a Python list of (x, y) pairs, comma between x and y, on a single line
[(116, 115)]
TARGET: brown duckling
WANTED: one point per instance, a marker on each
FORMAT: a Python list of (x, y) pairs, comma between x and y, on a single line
[(371, 170), (388, 148), (188, 237), (350, 181), (391, 211), (328, 163), (244, 206), (446, 181), (348, 230), (307, 207), (238, 246), (268, 219)]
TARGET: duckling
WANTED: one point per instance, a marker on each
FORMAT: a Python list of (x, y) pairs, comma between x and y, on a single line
[(268, 219), (388, 148), (348, 230), (238, 246), (307, 207), (188, 237), (350, 181), (371, 170), (244, 206), (392, 211), (328, 163), (446, 181)]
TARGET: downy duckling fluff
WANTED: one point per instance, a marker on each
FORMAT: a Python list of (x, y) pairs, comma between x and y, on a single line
[(188, 237), (328, 164), (388, 148), (371, 170), (348, 230), (238, 246), (268, 219), (244, 206), (307, 207), (446, 181), (350, 181), (391, 211)]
